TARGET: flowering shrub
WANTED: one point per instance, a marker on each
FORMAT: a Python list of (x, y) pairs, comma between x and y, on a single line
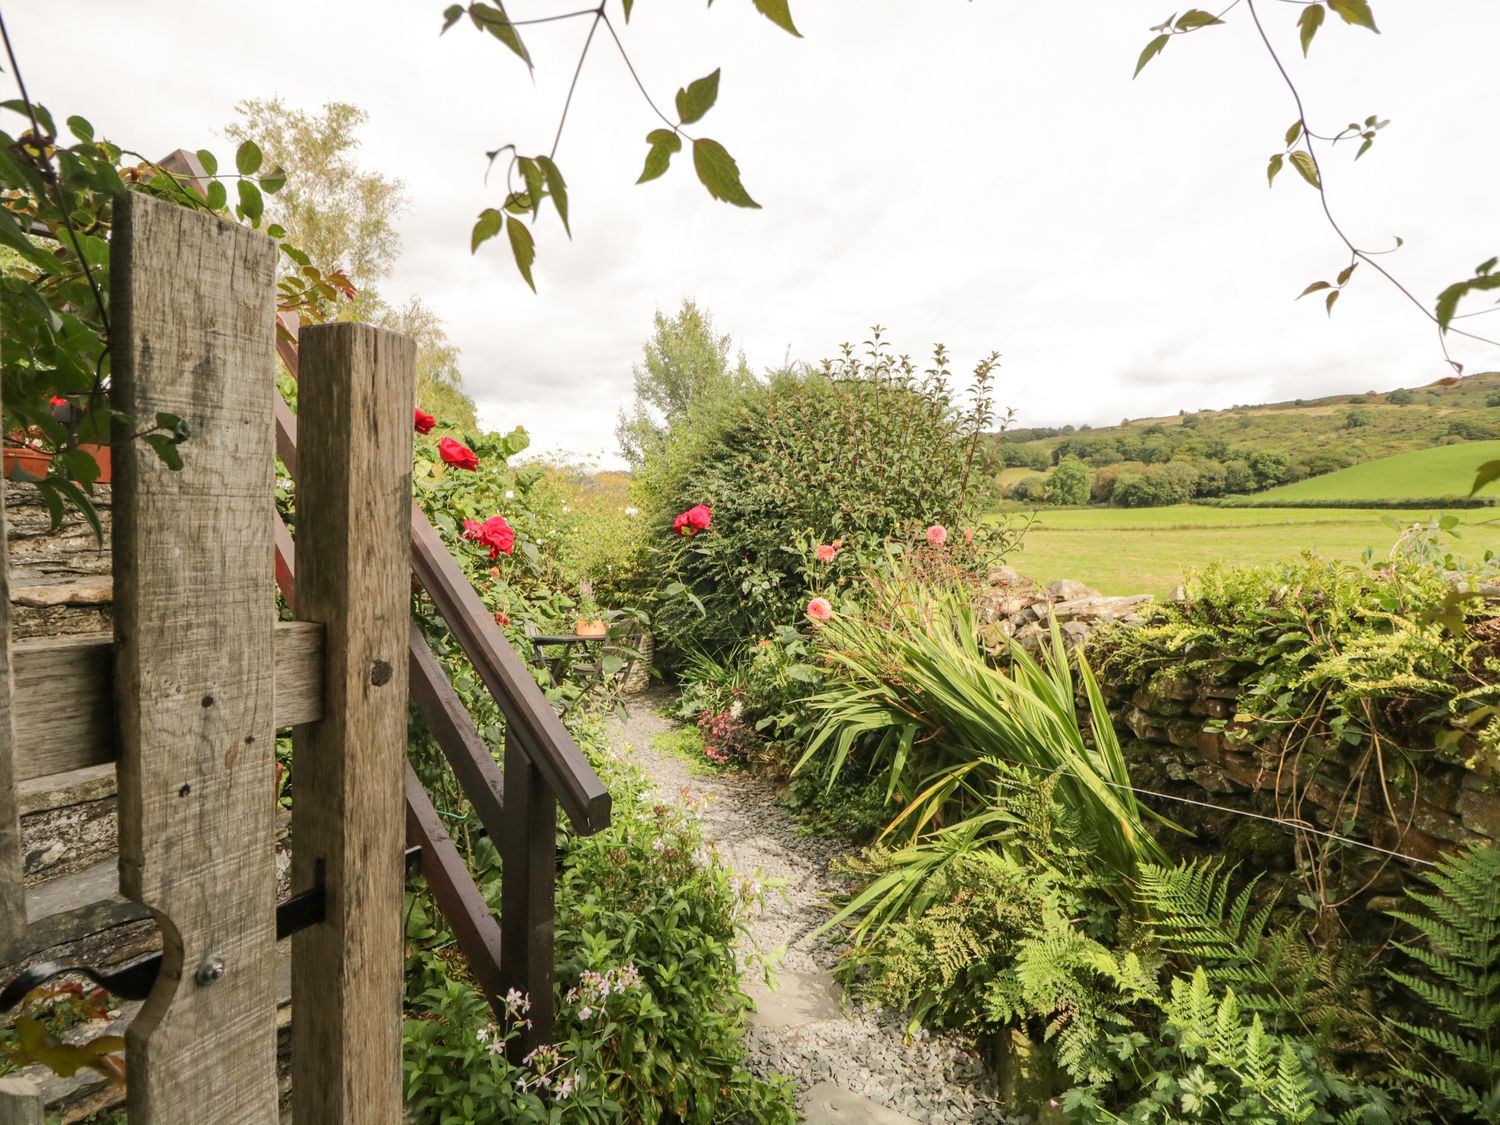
[(726, 737), (457, 454), (493, 533), (695, 519), (809, 477)]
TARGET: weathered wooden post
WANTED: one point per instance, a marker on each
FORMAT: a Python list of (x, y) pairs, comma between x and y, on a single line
[(12, 885), (193, 334), (353, 576)]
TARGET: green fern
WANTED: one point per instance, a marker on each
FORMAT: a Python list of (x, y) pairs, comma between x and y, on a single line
[(1192, 914), (1459, 965)]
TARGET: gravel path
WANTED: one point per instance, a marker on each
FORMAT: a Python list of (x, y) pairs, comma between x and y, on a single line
[(804, 1028)]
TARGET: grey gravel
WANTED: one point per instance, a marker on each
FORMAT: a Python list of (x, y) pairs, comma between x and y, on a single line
[(927, 1077)]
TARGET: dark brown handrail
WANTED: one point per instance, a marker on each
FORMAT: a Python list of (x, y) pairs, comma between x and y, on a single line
[(529, 718)]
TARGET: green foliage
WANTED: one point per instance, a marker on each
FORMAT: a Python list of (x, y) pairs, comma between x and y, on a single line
[(1069, 482), (685, 363), (891, 454), (954, 735), (1455, 971)]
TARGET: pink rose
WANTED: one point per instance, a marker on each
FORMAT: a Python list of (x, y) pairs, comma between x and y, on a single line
[(937, 535), (819, 609)]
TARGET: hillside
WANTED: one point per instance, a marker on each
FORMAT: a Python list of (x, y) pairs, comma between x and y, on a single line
[(1316, 436), (1444, 471)]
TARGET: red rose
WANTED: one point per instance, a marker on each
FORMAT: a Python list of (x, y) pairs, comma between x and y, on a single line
[(56, 401), (695, 519), (457, 454), (493, 533), (422, 420), (502, 618)]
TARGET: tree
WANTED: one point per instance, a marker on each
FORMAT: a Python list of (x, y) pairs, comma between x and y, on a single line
[(1269, 467), (1069, 482), (685, 363), (342, 215)]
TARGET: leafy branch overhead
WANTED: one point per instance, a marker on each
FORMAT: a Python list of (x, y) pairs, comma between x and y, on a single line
[(530, 180), (1299, 152)]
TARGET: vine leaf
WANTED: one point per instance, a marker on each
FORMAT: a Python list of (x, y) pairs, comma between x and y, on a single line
[(1308, 23), (1447, 302), (719, 173), (1332, 297), (451, 15), (698, 98), (486, 228), (1272, 168), (557, 188), (522, 248), (779, 13), (497, 23), (1313, 288), (1346, 273), (627, 5), (1302, 161), (1356, 12), (663, 142), (1194, 18), (1153, 49), (1293, 131), (1488, 473)]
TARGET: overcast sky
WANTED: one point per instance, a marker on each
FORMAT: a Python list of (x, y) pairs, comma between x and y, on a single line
[(983, 174)]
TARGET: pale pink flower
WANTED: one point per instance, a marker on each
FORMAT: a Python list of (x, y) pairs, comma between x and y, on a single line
[(819, 609), (824, 552), (937, 535), (968, 535)]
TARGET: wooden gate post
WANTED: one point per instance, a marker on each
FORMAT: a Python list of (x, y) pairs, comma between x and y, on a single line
[(12, 866), (193, 304), (353, 576)]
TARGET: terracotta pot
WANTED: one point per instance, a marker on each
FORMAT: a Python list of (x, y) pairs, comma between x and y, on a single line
[(35, 461), (595, 628)]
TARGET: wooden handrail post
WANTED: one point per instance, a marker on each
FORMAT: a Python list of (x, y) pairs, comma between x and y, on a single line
[(193, 301), (528, 882), (354, 481)]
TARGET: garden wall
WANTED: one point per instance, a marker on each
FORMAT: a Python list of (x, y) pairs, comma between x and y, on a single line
[(1179, 736)]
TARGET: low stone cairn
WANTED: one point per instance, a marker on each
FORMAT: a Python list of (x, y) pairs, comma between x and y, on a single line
[(1013, 606)]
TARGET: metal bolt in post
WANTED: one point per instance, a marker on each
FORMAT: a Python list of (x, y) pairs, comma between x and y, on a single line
[(211, 970)]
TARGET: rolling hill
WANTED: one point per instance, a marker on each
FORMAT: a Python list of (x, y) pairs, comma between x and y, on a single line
[(1442, 472)]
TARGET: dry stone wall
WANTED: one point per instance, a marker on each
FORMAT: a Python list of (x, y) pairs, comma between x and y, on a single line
[(1181, 739)]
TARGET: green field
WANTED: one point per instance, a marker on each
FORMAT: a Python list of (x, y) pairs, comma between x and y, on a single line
[(1446, 470), (1151, 550)]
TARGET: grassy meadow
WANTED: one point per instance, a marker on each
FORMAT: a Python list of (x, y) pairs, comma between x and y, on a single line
[(1151, 550)]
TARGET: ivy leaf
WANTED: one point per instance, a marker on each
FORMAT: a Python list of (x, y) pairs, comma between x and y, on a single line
[(497, 23), (777, 12), (250, 201), (698, 98), (451, 15), (1488, 473), (522, 248), (1308, 22), (1356, 12), (663, 142), (1302, 161), (1153, 49), (1272, 168), (721, 175), (1332, 297), (557, 188), (486, 228), (166, 449), (1194, 18), (247, 158), (1313, 288)]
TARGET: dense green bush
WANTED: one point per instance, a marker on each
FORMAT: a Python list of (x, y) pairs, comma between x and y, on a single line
[(1069, 482), (867, 450)]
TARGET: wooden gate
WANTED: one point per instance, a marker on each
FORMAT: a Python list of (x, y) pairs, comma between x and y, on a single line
[(203, 676)]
